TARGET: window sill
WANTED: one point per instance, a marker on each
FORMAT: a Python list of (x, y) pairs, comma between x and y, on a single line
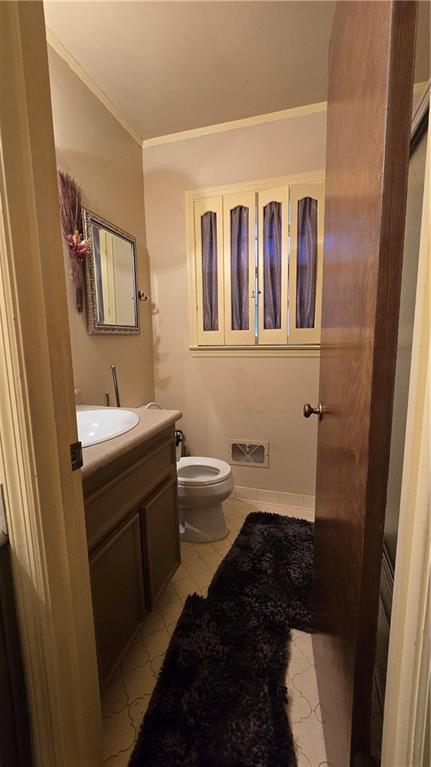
[(294, 350)]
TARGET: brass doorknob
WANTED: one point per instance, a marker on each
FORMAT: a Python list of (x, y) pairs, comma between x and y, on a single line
[(309, 410)]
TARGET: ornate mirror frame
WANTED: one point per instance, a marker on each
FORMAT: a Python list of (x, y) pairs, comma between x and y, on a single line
[(94, 326)]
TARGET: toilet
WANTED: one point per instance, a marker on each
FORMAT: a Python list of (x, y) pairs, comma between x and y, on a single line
[(203, 485)]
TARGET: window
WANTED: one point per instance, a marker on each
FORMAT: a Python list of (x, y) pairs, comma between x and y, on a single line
[(255, 264)]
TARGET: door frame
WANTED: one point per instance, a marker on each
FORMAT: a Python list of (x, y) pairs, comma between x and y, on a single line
[(43, 498), (408, 676)]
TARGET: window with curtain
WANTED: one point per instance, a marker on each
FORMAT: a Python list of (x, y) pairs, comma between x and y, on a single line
[(256, 265), (209, 270), (306, 269), (272, 226), (240, 267)]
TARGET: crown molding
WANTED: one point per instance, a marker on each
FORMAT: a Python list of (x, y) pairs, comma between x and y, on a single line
[(245, 122), (92, 86)]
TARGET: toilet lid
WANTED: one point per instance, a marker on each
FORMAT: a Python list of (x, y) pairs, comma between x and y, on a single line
[(202, 471)]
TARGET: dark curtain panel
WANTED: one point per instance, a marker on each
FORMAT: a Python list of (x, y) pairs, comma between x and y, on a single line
[(272, 265), (239, 267), (306, 269), (209, 270)]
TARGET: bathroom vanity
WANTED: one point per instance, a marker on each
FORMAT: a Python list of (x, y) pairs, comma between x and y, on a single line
[(131, 512)]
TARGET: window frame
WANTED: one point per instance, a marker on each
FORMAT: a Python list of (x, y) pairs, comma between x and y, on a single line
[(239, 337), (277, 336), (200, 344), (213, 203), (298, 192)]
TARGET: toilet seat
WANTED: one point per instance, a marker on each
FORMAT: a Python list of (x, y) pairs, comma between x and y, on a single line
[(195, 471)]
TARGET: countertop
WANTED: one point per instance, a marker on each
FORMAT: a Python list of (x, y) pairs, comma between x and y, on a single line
[(151, 422)]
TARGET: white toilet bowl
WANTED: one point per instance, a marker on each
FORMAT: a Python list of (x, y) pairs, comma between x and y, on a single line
[(203, 485)]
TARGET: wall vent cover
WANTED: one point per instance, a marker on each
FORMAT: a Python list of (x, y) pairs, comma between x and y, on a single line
[(244, 452)]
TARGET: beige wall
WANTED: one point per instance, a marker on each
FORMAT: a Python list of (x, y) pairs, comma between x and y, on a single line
[(107, 164), (222, 398)]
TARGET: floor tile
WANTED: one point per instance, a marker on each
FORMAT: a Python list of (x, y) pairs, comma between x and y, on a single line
[(273, 508), (235, 504), (156, 664), (153, 622), (203, 580), (246, 493), (137, 710), (119, 760), (253, 504), (139, 681), (119, 734), (180, 573), (157, 643), (223, 546), (168, 596), (212, 560), (127, 697), (188, 551), (308, 735), (305, 683), (301, 512), (137, 655), (196, 566), (170, 612), (299, 707), (170, 628), (185, 587), (114, 698), (299, 663)]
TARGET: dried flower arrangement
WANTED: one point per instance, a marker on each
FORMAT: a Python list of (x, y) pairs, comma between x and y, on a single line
[(71, 221)]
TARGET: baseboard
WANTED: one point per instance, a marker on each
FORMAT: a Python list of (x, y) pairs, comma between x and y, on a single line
[(279, 498)]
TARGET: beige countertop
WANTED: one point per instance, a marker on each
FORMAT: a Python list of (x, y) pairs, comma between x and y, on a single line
[(150, 423)]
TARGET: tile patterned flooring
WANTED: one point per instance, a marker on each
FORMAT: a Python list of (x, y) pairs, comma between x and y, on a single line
[(126, 699)]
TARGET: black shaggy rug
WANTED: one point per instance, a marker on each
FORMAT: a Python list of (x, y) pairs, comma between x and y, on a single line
[(266, 575), (219, 700)]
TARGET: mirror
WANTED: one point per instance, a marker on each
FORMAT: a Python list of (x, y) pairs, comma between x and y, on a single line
[(112, 299)]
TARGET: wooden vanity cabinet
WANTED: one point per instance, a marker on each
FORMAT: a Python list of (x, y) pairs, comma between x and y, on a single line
[(161, 535), (117, 587), (131, 510)]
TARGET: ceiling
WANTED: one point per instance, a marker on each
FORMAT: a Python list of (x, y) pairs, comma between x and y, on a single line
[(174, 66)]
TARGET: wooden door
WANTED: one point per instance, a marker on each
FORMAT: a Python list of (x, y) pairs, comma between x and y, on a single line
[(369, 111)]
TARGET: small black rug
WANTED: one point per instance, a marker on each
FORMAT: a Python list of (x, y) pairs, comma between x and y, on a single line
[(267, 573), (219, 699)]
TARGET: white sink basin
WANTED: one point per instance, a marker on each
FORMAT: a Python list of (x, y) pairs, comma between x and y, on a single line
[(103, 423)]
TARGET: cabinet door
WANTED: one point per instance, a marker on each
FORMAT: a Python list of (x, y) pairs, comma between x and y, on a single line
[(116, 571), (162, 538)]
